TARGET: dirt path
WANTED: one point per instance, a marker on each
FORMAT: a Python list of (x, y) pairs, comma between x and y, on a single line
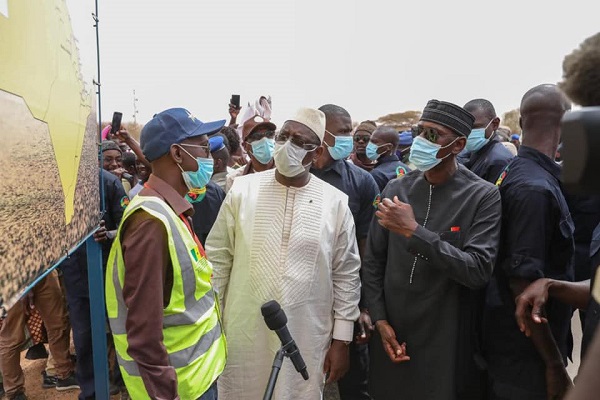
[(33, 383)]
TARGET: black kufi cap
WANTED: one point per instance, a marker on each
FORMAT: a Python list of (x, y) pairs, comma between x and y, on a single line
[(449, 115)]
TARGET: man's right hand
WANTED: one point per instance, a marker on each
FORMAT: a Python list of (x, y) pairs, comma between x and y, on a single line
[(530, 304), (558, 382), (241, 161), (234, 111), (122, 135), (395, 351), (118, 172), (365, 328)]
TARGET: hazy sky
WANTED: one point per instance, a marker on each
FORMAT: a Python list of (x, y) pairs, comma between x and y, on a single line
[(371, 57)]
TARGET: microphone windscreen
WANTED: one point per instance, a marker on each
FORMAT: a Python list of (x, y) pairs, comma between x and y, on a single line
[(274, 316)]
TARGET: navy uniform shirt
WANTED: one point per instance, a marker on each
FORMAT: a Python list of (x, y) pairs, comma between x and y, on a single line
[(115, 202), (206, 210), (585, 211), (360, 188), (388, 168), (75, 266), (536, 241), (489, 162)]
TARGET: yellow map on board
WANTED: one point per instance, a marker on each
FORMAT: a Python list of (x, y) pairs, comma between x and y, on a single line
[(40, 62)]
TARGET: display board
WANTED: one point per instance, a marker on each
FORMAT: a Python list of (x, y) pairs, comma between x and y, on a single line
[(49, 190)]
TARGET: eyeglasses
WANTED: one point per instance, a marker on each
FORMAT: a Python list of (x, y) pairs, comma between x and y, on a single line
[(254, 136), (431, 134), (205, 148), (296, 141), (364, 138)]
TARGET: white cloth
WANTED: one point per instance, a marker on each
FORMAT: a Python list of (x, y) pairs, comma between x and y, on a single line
[(231, 177), (262, 106), (293, 245)]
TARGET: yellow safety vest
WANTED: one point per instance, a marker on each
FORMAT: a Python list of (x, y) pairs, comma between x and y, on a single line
[(192, 332)]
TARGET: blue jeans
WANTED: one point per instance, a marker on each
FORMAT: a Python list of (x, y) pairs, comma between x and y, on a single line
[(210, 394)]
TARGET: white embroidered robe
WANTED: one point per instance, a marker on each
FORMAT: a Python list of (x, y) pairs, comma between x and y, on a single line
[(293, 245)]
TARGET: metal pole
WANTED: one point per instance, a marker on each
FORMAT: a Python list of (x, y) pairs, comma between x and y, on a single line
[(275, 368), (99, 92), (94, 262), (98, 316)]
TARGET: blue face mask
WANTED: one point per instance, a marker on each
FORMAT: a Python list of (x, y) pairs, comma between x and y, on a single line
[(423, 153), (371, 151), (342, 148), (199, 178), (477, 139), (262, 150)]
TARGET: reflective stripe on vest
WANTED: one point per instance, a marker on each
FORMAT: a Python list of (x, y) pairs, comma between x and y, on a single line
[(180, 358), (193, 309)]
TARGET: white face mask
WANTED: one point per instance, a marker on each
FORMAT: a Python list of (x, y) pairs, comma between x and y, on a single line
[(288, 159)]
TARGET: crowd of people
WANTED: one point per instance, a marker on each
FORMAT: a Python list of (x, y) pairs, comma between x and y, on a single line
[(443, 261)]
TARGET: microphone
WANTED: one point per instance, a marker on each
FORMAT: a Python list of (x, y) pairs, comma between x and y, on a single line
[(126, 175), (276, 320)]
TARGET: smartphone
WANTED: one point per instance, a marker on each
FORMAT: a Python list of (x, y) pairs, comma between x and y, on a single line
[(235, 100), (116, 122)]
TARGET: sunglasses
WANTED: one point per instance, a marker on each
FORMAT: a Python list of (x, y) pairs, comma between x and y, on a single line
[(254, 136), (431, 134), (364, 138)]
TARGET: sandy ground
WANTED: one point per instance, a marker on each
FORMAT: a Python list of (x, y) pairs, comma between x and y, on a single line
[(33, 383), (33, 371)]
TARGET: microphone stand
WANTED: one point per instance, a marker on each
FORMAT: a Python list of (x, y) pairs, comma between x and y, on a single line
[(277, 362)]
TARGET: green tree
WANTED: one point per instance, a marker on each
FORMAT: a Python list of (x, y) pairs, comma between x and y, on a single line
[(511, 120), (400, 121)]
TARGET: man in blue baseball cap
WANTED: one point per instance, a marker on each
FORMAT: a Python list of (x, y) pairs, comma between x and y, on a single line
[(159, 297)]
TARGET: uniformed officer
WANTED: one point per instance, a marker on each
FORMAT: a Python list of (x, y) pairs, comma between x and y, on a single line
[(484, 154), (362, 191), (206, 205), (382, 148), (536, 242)]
